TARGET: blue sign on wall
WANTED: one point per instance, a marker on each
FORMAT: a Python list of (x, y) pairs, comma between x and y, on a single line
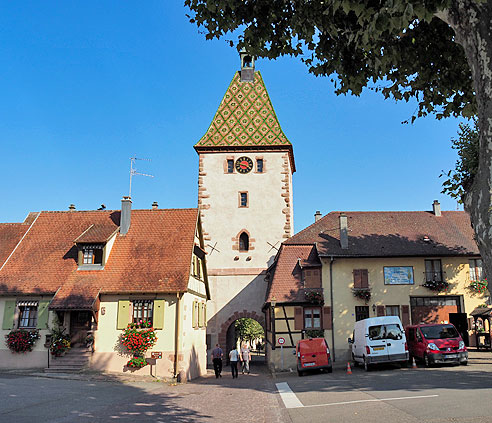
[(398, 275)]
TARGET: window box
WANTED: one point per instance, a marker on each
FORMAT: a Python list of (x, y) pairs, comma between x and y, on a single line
[(436, 285), (314, 297), (478, 286), (362, 293)]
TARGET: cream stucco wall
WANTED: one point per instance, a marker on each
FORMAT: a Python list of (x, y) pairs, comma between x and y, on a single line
[(456, 273), (236, 278)]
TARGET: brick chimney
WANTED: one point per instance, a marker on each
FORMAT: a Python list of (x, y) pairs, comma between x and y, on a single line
[(343, 231), (71, 207), (126, 214), (436, 208), (317, 215)]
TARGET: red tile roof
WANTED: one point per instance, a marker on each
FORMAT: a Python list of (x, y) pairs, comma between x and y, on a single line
[(285, 281), (154, 256), (385, 234), (97, 233), (10, 235)]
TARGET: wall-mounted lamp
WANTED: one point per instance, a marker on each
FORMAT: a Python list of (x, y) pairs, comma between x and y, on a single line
[(273, 302), (374, 308)]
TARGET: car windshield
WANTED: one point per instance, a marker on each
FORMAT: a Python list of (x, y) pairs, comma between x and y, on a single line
[(439, 332), (391, 331)]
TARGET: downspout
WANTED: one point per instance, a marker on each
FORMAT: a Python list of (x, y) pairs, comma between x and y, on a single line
[(177, 337), (331, 303)]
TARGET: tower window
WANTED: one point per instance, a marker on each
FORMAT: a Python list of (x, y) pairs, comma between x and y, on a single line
[(259, 165), (243, 199), (244, 242), (230, 166)]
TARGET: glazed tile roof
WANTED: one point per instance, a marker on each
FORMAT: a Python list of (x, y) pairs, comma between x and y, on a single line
[(285, 281), (245, 118), (154, 256), (399, 233)]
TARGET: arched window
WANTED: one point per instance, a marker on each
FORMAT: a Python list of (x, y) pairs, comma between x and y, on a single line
[(244, 242)]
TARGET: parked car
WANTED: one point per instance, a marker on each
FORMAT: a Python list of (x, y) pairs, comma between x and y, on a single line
[(378, 340), (313, 353), (436, 343)]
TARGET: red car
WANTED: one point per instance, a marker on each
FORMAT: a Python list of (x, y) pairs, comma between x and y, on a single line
[(436, 343), (313, 353)]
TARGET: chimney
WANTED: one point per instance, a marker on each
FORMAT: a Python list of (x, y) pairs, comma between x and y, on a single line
[(436, 208), (317, 215), (126, 212), (71, 207), (343, 231), (247, 66), (155, 206)]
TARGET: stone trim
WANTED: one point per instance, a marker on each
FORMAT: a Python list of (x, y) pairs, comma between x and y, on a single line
[(236, 271), (202, 195), (239, 200), (233, 167), (256, 165), (222, 337), (285, 194), (235, 242)]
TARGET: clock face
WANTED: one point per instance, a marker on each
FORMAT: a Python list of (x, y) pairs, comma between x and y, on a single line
[(244, 164)]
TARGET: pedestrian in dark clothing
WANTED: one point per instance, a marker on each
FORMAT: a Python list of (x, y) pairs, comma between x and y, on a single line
[(217, 355), (234, 358)]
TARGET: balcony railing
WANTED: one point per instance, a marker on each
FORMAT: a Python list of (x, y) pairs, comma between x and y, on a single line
[(435, 281)]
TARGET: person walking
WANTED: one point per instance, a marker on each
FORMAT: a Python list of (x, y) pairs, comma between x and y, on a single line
[(217, 355), (245, 359), (234, 358)]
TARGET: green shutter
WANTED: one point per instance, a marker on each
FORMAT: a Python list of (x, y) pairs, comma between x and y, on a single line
[(194, 318), (200, 315), (8, 315), (43, 314), (123, 314), (159, 306)]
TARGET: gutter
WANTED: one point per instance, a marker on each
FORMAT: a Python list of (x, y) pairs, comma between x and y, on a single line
[(177, 340), (331, 303)]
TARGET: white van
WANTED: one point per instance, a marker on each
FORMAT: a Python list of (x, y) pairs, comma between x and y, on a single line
[(379, 340)]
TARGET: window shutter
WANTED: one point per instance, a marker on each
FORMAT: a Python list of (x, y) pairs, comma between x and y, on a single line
[(43, 314), (8, 315), (380, 310), (158, 317), (327, 318), (200, 315), (357, 279), (405, 315), (298, 319), (471, 323), (205, 314), (194, 317), (123, 314), (364, 278)]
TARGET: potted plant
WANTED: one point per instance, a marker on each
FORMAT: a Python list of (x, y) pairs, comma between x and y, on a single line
[(479, 286), (21, 340), (60, 342), (362, 293), (314, 297), (436, 285)]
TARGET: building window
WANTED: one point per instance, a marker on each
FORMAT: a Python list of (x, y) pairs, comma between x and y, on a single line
[(197, 267), (92, 254), (143, 310), (361, 313), (230, 166), (476, 272), (433, 271), (199, 317), (393, 310), (361, 278), (243, 199), (312, 318), (259, 165), (28, 314), (243, 242)]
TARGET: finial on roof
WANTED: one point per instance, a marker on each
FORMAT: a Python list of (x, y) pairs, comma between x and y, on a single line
[(71, 207), (247, 66)]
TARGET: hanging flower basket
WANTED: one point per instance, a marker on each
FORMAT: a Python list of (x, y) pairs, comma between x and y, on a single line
[(436, 285), (137, 363), (138, 338), (314, 297), (21, 340), (478, 286), (362, 293)]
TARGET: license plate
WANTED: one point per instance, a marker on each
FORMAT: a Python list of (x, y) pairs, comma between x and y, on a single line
[(378, 348), (451, 356), (309, 364)]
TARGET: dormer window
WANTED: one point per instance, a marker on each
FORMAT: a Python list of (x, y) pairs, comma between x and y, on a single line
[(92, 254), (94, 245)]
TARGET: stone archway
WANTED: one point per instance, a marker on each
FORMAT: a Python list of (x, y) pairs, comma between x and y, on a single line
[(224, 328)]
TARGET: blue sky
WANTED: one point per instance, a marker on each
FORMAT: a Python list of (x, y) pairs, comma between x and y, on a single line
[(86, 85)]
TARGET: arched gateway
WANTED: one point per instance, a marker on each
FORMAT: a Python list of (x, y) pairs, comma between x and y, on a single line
[(245, 198)]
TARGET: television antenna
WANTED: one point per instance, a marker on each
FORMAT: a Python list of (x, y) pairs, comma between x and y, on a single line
[(133, 171)]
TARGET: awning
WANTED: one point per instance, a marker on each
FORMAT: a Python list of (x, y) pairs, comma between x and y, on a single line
[(27, 303)]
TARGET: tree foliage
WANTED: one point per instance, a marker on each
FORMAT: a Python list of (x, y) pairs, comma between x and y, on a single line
[(396, 47), (248, 329), (461, 178)]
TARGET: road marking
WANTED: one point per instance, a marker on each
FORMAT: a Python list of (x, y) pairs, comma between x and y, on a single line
[(291, 401), (288, 397), (371, 400)]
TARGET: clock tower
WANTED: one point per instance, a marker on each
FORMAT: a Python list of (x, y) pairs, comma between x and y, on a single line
[(245, 198)]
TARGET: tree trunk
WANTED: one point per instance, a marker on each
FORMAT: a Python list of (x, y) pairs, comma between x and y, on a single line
[(472, 23)]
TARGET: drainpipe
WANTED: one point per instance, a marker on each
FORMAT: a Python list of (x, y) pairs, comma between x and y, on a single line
[(332, 310), (177, 334)]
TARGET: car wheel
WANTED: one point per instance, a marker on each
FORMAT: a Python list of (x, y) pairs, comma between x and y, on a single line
[(426, 361), (366, 365), (330, 369), (404, 364), (300, 372), (464, 363)]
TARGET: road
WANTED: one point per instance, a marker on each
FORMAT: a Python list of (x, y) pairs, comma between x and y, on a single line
[(442, 394)]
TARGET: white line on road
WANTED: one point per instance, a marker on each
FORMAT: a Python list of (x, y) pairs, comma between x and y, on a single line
[(288, 397), (291, 401)]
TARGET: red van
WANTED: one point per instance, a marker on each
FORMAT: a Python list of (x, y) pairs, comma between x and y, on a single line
[(313, 353), (436, 343)]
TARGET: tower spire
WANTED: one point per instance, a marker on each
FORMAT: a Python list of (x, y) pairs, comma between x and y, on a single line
[(247, 66)]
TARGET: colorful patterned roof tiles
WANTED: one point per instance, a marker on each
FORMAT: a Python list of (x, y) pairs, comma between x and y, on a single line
[(245, 118)]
